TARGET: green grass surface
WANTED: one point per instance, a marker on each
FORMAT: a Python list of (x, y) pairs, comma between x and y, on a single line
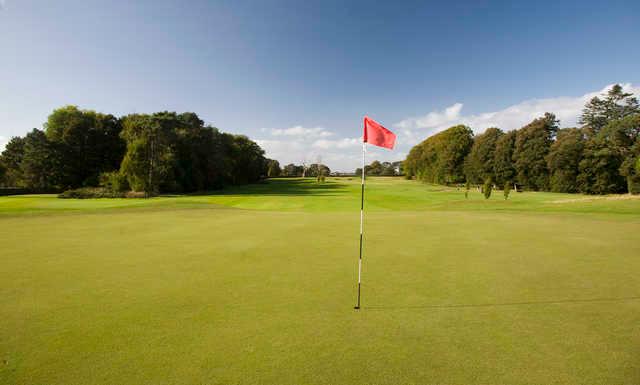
[(256, 285)]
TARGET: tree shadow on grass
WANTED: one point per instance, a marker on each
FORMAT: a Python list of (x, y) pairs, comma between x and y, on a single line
[(285, 187), (499, 304)]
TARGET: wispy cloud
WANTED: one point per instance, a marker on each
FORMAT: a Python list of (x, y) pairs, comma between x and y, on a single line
[(3, 142)]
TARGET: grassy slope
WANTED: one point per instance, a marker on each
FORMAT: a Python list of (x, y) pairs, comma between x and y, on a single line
[(455, 291)]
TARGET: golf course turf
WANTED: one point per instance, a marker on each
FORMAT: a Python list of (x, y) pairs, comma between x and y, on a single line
[(256, 285)]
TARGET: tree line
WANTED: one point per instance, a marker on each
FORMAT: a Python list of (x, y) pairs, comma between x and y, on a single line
[(150, 153), (377, 168), (601, 156)]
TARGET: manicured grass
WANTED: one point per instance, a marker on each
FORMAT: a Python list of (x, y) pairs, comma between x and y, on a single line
[(256, 286)]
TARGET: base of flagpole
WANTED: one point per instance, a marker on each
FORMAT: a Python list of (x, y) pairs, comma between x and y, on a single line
[(357, 307)]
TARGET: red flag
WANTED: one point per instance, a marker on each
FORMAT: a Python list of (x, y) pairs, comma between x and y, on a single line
[(377, 135)]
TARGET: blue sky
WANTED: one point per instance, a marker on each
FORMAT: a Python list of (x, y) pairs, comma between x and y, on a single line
[(298, 76)]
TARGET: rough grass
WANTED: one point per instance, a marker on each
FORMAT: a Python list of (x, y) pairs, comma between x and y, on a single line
[(189, 290)]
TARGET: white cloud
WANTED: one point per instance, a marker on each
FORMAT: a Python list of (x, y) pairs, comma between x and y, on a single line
[(300, 131), (3, 142), (566, 108), (297, 144)]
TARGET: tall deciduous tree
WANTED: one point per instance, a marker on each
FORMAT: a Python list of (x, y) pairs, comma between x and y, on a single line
[(480, 163), (503, 165), (564, 160), (149, 154), (532, 145), (273, 168), (42, 165), (440, 158), (12, 158), (90, 142)]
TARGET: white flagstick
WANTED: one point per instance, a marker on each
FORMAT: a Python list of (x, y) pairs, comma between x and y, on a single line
[(361, 221)]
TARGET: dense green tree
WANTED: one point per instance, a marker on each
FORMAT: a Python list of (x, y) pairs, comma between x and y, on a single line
[(11, 158), (532, 145), (603, 163), (248, 163), (90, 143), (149, 157), (615, 104), (3, 173), (316, 170), (479, 164), (440, 158), (42, 165), (564, 158), (273, 168), (503, 165), (487, 187), (292, 170)]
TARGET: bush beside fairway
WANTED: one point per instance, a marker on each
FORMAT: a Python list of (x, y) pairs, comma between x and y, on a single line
[(256, 285)]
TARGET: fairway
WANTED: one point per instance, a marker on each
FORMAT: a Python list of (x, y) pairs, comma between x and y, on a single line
[(256, 285)]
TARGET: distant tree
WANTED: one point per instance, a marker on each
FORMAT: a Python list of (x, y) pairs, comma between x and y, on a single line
[(90, 143), (292, 170), (315, 170), (3, 173), (247, 159), (375, 168), (11, 158), (487, 188), (603, 168), (440, 158), (532, 145), (564, 158), (149, 156), (615, 104), (273, 168), (479, 164), (467, 187), (506, 190), (503, 165), (42, 165)]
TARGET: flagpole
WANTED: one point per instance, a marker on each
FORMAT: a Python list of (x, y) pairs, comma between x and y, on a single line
[(361, 221)]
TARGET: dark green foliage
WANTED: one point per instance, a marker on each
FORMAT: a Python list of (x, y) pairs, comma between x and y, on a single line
[(377, 168), (440, 158), (91, 193), (150, 153), (479, 164), (3, 173), (532, 145), (487, 188), (564, 158), (506, 190), (165, 152), (467, 187), (90, 143), (292, 170), (603, 168), (503, 166), (42, 166), (316, 170), (114, 181), (599, 111), (273, 168), (11, 158)]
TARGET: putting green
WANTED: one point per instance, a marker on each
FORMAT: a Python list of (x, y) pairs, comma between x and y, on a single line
[(255, 285)]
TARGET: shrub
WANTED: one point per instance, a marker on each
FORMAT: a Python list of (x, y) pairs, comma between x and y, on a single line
[(89, 192), (507, 190), (114, 181), (488, 186), (467, 187)]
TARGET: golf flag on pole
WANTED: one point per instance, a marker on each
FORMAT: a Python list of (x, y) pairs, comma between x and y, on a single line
[(373, 133), (377, 135)]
